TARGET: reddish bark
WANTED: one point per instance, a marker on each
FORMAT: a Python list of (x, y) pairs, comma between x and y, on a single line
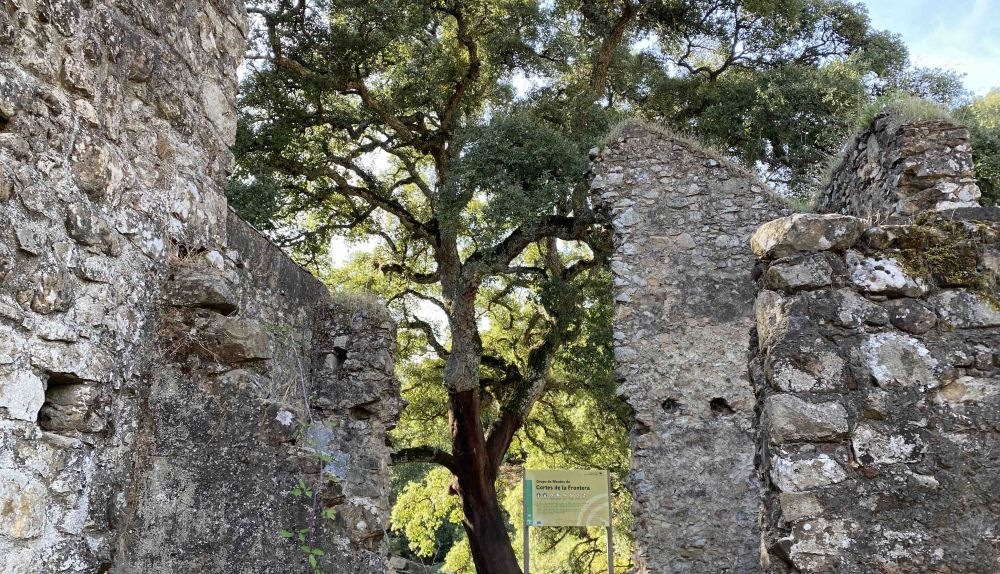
[(475, 485)]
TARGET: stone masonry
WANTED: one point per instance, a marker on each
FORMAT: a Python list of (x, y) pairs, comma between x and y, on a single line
[(877, 371), (176, 395), (897, 170), (684, 309), (863, 435), (167, 377)]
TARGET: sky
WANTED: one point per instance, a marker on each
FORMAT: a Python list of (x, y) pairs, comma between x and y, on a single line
[(963, 35)]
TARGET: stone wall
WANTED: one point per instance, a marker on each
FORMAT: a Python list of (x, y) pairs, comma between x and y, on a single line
[(156, 353), (895, 169), (684, 311), (877, 371)]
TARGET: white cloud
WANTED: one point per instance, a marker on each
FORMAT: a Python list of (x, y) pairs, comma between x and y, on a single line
[(963, 35)]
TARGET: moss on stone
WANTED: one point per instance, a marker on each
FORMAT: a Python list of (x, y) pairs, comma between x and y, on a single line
[(947, 254)]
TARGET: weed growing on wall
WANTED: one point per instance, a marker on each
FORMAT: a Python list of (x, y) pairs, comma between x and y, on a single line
[(306, 491)]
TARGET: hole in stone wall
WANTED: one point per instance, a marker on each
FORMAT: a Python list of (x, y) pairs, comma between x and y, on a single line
[(65, 407), (341, 355), (56, 379), (670, 405), (720, 407), (4, 123), (362, 412)]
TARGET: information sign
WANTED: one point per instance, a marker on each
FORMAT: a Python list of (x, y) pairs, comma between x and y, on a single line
[(567, 498)]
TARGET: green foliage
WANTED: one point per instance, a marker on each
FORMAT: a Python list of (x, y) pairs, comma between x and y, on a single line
[(302, 489), (982, 116), (783, 120), (524, 169), (459, 559), (429, 517), (943, 87), (781, 102)]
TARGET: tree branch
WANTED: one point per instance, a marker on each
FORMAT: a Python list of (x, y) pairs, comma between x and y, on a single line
[(602, 65), (428, 331), (413, 276), (471, 73), (425, 454), (496, 259)]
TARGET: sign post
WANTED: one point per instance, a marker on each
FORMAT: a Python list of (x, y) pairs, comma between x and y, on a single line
[(567, 498), (611, 536)]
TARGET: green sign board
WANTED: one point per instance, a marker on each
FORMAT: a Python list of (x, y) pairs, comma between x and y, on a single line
[(566, 498)]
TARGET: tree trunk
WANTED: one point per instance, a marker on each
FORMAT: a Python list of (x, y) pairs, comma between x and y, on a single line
[(484, 521), (475, 474)]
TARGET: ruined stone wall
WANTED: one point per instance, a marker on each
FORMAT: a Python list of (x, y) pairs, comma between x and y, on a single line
[(877, 366), (261, 381), (684, 311), (895, 169), (862, 435), (156, 353)]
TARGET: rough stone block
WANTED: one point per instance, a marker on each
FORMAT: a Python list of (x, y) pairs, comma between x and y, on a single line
[(818, 545), (31, 237), (806, 363), (805, 232), (54, 292), (798, 505), (83, 361), (71, 407), (771, 317), (797, 475), (19, 561), (910, 315), (844, 308), (11, 346), (900, 360), (85, 226), (95, 169), (969, 389), (233, 340), (811, 272), (882, 276), (791, 419), (22, 506), (22, 394), (966, 309), (885, 445), (201, 287)]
